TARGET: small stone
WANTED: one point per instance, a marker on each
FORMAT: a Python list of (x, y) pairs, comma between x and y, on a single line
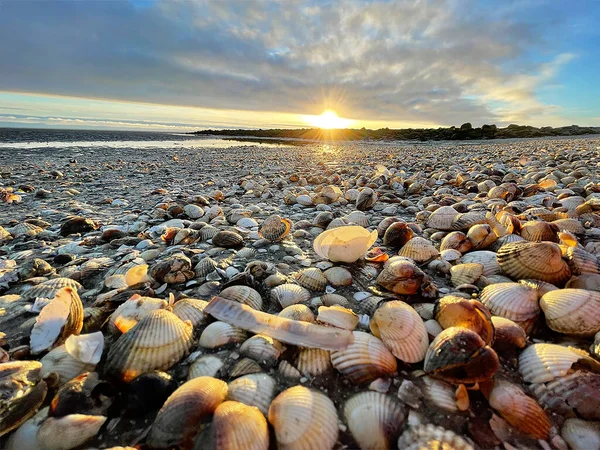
[(410, 394)]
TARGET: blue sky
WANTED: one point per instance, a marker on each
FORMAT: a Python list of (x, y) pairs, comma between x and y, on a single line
[(183, 65)]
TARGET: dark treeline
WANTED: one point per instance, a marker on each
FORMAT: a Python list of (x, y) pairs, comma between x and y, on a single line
[(465, 132)]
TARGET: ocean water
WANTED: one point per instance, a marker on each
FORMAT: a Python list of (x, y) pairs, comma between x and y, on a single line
[(34, 139)]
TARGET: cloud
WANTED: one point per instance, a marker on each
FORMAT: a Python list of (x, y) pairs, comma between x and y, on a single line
[(422, 62)]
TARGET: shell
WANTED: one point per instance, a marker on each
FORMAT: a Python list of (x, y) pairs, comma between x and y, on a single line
[(575, 394), (334, 299), (572, 311), (419, 250), (467, 220), (572, 225), (59, 362), (323, 219), (48, 289), (536, 260), (227, 239), (442, 218), (581, 435), (366, 199), (157, 341), (402, 331), (467, 273), (191, 309), (540, 363), (581, 261), (344, 244), (508, 334), (459, 355), (71, 431), (289, 294), (87, 348), (313, 362), (177, 421), (432, 437), (238, 426), (298, 312), (274, 228), (440, 394), (358, 218), (204, 267), (132, 311), (338, 276), (218, 334), (312, 278), (385, 223), (263, 349), (243, 294), (244, 366), (514, 301), (338, 316), (397, 235), (257, 389), (481, 236), (457, 240), (402, 277), (303, 419), (374, 419), (365, 360), (484, 257), (205, 366), (452, 311), (538, 231)]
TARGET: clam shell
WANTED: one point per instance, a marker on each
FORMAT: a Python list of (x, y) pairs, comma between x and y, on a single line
[(58, 361), (344, 244), (581, 261), (467, 220), (303, 419), (274, 228), (194, 401), (397, 235), (157, 341), (457, 240), (338, 276), (451, 311), (366, 199), (374, 419), (365, 360), (205, 366), (575, 394), (334, 299), (505, 240), (536, 260), (238, 426), (227, 239), (257, 389), (298, 312), (218, 334), (191, 309), (385, 223), (572, 225), (402, 277), (514, 301), (208, 232), (289, 294), (244, 366), (338, 316), (572, 311), (419, 250), (442, 218), (481, 236), (313, 362), (243, 294), (588, 281), (484, 257), (540, 363), (432, 437), (204, 267), (323, 219), (312, 278), (402, 331), (508, 334), (132, 311), (538, 231), (263, 349), (581, 435), (71, 431)]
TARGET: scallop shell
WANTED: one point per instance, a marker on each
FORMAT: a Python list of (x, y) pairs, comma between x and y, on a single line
[(344, 244), (298, 312), (227, 239), (419, 250), (540, 363), (457, 240), (514, 301), (365, 360), (177, 421), (312, 278), (132, 311), (374, 419), (451, 311), (432, 437), (459, 355), (304, 419), (274, 228), (289, 294), (238, 426), (338, 316), (402, 331), (48, 289), (191, 309), (575, 394), (59, 362), (205, 366), (243, 294), (572, 311), (257, 389), (313, 362), (467, 273), (158, 341), (581, 435), (538, 231), (442, 218), (536, 260), (263, 349), (484, 257), (218, 334), (338, 276), (397, 235)]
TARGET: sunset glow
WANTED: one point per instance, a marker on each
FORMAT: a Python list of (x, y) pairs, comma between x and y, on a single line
[(328, 120)]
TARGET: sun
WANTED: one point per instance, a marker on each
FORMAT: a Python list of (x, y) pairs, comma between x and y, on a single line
[(328, 120)]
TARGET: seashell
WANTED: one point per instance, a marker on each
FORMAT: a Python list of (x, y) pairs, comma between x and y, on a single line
[(175, 269), (338, 316), (275, 280), (205, 366), (323, 219), (298, 312), (486, 258), (339, 222), (397, 235), (376, 255), (588, 281), (467, 220), (289, 294), (459, 355), (432, 437), (158, 341), (467, 273), (191, 309), (257, 389), (440, 394), (313, 362), (419, 250), (508, 334), (274, 228), (132, 311), (518, 409), (244, 366), (59, 319), (338, 276), (581, 435), (358, 218), (312, 278), (451, 311), (24, 229), (581, 261), (572, 311), (514, 301), (71, 431), (48, 289), (85, 394), (334, 299), (385, 223), (208, 232), (540, 363), (364, 360), (263, 349), (303, 419), (506, 240), (25, 437), (575, 394), (481, 236), (227, 239), (237, 425), (402, 277), (366, 199), (536, 260), (218, 334), (442, 218), (572, 225), (86, 348), (344, 244), (243, 294), (538, 231), (193, 211), (64, 366), (246, 253), (374, 419), (402, 331), (457, 240), (178, 419)]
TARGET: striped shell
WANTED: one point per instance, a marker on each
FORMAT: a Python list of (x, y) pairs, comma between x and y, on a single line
[(514, 301), (538, 231), (132, 311), (218, 334), (429, 436), (572, 311), (312, 278), (204, 267), (178, 420), (419, 250), (358, 218), (263, 349), (440, 394), (581, 261), (205, 366), (58, 361), (484, 257), (298, 312), (243, 294), (536, 260), (540, 363), (334, 299), (572, 225), (158, 341), (48, 289), (238, 426), (274, 228), (442, 218), (257, 389), (289, 294), (365, 360), (374, 419), (304, 419), (467, 273), (313, 362), (467, 220), (402, 331), (191, 309), (227, 239), (338, 276), (575, 394), (244, 366)]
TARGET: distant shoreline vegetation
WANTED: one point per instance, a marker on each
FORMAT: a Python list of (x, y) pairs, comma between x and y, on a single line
[(463, 133)]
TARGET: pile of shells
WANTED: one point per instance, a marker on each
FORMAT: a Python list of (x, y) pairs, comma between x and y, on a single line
[(436, 301)]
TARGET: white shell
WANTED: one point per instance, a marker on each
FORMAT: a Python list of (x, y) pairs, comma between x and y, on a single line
[(344, 244)]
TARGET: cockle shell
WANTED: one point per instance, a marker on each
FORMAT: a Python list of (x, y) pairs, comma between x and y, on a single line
[(402, 331), (538, 231), (238, 426), (312, 278), (313, 362), (298, 312), (484, 257), (218, 334), (205, 366), (572, 311), (467, 273), (60, 363), (338, 316), (397, 235), (191, 309), (158, 341), (432, 437), (468, 219), (576, 394), (243, 294), (303, 419), (442, 218), (338, 276), (419, 250), (457, 240), (536, 260), (540, 363), (402, 277), (130, 312), (274, 228), (48, 289), (257, 389), (289, 294), (514, 301), (581, 261), (440, 394), (358, 218), (344, 244), (263, 349)]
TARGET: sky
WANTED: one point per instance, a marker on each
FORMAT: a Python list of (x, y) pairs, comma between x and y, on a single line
[(182, 65)]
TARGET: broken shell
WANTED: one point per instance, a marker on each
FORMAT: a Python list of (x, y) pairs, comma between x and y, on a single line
[(338, 316), (86, 348), (85, 394), (238, 426), (303, 418), (191, 309), (397, 235), (540, 363), (536, 260), (290, 294), (338, 276), (60, 363), (572, 311), (377, 255), (402, 331), (452, 311), (344, 244), (312, 278), (243, 294), (263, 349), (71, 431), (218, 334), (576, 394), (257, 389), (419, 250), (274, 228)]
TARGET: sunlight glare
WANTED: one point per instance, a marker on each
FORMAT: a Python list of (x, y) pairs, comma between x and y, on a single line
[(328, 120)]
